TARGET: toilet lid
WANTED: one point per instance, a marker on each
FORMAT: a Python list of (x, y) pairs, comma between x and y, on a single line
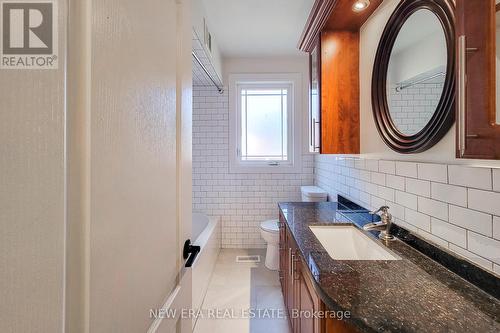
[(270, 226), (313, 192)]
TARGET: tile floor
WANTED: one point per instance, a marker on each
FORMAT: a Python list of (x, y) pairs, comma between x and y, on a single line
[(236, 288)]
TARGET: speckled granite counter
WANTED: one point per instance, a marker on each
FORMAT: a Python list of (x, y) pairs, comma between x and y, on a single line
[(414, 294)]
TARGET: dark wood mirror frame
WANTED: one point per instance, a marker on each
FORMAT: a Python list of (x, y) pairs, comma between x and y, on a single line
[(444, 116)]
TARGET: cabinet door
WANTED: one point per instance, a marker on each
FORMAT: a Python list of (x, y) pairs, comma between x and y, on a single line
[(478, 130), (314, 99), (308, 302), (340, 126)]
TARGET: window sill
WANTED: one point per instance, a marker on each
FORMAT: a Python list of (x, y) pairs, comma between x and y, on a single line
[(238, 168)]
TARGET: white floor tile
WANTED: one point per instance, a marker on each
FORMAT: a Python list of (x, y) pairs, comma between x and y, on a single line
[(242, 287)]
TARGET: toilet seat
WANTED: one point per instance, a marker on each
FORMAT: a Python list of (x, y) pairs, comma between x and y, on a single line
[(270, 226)]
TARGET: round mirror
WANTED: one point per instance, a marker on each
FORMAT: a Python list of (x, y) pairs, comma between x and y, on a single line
[(413, 88)]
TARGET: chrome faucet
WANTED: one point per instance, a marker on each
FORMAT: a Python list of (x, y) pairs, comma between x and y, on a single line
[(384, 224)]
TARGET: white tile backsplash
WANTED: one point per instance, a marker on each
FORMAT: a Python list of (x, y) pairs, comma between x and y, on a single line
[(496, 227), (406, 199), (417, 219), (387, 167), (434, 172), (471, 220), (386, 193), (496, 180), (485, 201), (407, 169), (395, 182), (455, 207), (418, 187), (470, 177), (371, 165), (449, 232), (241, 201), (486, 247), (449, 193), (433, 208), (378, 178)]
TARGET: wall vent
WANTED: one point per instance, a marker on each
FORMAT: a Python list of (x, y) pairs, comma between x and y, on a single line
[(248, 259)]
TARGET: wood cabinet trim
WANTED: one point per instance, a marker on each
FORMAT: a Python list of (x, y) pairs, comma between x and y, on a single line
[(333, 15), (319, 15)]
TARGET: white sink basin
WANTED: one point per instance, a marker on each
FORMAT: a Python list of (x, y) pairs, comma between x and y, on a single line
[(349, 243)]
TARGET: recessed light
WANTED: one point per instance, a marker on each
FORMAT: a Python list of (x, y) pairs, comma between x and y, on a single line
[(360, 5)]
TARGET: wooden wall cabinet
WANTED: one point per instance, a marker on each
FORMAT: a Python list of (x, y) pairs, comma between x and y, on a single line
[(331, 37), (334, 94), (478, 134), (299, 293)]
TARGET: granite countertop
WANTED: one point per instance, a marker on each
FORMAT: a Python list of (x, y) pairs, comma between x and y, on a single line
[(414, 294)]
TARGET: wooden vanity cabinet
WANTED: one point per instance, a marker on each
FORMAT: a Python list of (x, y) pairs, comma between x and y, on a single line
[(299, 293), (478, 132)]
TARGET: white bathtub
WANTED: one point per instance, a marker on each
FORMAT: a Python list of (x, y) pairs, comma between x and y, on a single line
[(207, 234)]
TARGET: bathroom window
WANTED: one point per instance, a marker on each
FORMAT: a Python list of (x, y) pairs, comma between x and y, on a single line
[(262, 123)]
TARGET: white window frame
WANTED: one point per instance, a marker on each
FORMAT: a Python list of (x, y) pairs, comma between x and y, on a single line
[(237, 82)]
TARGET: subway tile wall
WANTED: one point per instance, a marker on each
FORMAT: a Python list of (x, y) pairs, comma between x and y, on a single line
[(455, 207), (240, 201), (412, 108)]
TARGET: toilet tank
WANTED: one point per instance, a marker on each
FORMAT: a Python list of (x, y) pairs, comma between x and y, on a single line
[(313, 194)]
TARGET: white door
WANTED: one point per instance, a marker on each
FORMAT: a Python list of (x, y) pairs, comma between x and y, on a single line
[(95, 174), (139, 165)]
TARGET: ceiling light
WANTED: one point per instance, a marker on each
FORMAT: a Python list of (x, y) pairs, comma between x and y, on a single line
[(360, 5)]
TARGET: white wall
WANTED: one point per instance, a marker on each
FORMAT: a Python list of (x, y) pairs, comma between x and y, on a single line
[(199, 14), (418, 52), (241, 201), (295, 64), (32, 195), (424, 56)]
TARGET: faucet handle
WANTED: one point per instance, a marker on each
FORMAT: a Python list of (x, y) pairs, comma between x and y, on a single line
[(383, 209)]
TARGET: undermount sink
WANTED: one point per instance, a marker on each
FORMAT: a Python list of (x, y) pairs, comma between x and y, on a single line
[(350, 243)]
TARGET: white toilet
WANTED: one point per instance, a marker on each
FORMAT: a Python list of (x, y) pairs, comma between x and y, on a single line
[(270, 229)]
